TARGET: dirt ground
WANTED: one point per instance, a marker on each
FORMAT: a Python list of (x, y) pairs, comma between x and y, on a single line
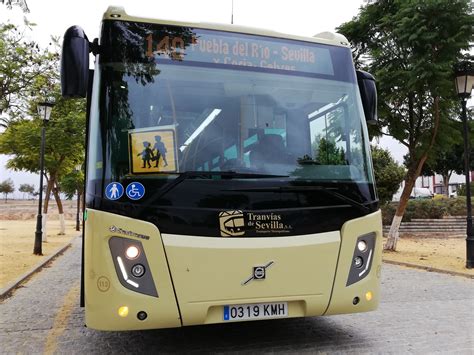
[(17, 240), (18, 224), (441, 253), (27, 209), (17, 236)]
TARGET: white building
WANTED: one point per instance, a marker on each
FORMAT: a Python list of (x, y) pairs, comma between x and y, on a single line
[(432, 185)]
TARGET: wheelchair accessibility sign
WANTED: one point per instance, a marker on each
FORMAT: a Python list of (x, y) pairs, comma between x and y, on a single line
[(135, 191), (114, 191)]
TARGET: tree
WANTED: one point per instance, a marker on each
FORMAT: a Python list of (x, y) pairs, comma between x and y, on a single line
[(388, 174), (72, 184), (411, 46), (445, 163), (64, 147), (328, 153), (7, 187), (21, 68), (27, 189), (65, 132), (461, 191), (447, 156), (21, 3)]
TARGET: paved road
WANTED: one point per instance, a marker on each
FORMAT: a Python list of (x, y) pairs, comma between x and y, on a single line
[(421, 312)]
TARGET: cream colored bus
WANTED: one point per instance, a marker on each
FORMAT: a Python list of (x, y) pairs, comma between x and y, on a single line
[(229, 175)]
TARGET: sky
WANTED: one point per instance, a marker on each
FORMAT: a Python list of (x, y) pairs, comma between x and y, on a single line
[(303, 17), (299, 17)]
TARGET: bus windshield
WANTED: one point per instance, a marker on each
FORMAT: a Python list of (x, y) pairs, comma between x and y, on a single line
[(176, 99)]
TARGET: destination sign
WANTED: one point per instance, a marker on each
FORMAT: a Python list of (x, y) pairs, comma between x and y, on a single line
[(222, 48)]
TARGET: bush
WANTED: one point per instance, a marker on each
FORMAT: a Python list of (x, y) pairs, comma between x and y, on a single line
[(457, 206), (388, 211), (425, 209), (461, 191)]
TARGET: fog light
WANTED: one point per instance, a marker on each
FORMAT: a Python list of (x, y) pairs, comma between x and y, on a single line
[(123, 311), (142, 315), (362, 245), (138, 270), (368, 296), (355, 301), (358, 261), (132, 252)]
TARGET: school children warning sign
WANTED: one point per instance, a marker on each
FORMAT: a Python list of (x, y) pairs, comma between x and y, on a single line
[(152, 151)]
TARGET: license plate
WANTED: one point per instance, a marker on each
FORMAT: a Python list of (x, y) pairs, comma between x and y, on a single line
[(255, 311)]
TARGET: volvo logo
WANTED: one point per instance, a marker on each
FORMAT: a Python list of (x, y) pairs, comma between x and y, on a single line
[(259, 273)]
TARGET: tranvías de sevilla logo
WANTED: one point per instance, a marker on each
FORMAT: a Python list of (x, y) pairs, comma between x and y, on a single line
[(237, 223), (231, 223)]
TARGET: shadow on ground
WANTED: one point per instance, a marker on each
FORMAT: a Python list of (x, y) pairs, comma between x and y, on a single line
[(286, 335)]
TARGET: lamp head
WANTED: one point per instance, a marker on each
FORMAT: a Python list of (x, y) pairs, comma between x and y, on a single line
[(464, 78), (44, 110)]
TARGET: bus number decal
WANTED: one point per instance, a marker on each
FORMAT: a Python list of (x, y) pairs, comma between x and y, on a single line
[(173, 48), (103, 284)]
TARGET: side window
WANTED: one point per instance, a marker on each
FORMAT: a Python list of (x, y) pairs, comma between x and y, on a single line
[(336, 139), (95, 159)]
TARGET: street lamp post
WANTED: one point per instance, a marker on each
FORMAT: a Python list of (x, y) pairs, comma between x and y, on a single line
[(44, 110), (464, 83)]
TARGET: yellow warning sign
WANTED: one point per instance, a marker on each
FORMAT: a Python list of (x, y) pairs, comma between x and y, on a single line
[(152, 151)]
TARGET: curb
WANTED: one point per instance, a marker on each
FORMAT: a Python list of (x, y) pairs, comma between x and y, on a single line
[(427, 235), (6, 291), (429, 268)]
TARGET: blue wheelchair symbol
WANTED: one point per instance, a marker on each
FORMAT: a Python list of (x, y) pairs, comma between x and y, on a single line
[(114, 191), (135, 191)]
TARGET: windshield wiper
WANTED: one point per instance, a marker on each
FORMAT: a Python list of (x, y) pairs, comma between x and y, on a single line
[(327, 190), (229, 174)]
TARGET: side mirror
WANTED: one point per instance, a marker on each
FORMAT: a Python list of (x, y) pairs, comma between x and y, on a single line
[(368, 94), (74, 63)]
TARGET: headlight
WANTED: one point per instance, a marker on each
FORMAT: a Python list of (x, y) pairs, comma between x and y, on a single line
[(362, 245), (132, 252), (131, 265), (364, 249)]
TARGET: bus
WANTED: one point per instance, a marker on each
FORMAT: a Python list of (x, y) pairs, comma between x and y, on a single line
[(228, 176)]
